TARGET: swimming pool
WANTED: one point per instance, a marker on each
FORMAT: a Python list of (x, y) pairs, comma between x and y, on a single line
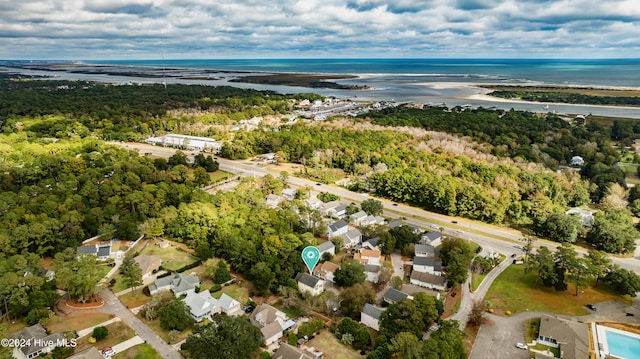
[(623, 346)]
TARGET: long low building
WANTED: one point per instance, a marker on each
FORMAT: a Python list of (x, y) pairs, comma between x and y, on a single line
[(187, 142)]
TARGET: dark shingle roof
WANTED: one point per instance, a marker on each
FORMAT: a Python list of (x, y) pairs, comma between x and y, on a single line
[(395, 295), (429, 262), (428, 278), (325, 246), (104, 251), (372, 311), (306, 279), (333, 227), (87, 250), (432, 236)]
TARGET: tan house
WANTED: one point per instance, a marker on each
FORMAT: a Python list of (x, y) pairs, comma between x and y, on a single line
[(326, 271), (270, 321), (148, 264)]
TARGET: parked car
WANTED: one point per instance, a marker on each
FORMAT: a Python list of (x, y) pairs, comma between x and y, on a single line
[(454, 222), (519, 247), (435, 226), (522, 346), (248, 308), (108, 351), (592, 307)]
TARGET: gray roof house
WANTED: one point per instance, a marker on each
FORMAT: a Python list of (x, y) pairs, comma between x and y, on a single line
[(370, 316), (426, 250), (45, 342), (229, 306), (428, 280), (202, 305), (310, 284), (352, 238), (91, 353), (337, 228), (270, 321), (327, 247), (179, 284), (338, 211), (101, 251), (432, 238), (357, 217), (393, 296), (571, 337), (395, 223), (427, 265), (287, 351), (586, 216), (371, 243)]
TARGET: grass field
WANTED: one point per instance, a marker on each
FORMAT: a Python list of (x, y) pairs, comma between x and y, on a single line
[(332, 348), (65, 324), (118, 332), (219, 175), (141, 351), (235, 291), (513, 290), (164, 334), (476, 280), (133, 302), (172, 258)]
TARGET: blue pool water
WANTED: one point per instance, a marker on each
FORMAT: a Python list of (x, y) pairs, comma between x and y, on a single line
[(623, 346)]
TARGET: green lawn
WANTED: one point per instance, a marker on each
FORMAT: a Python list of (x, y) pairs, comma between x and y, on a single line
[(332, 347), (164, 334), (513, 290), (118, 332), (140, 351), (132, 301), (172, 258), (76, 322), (235, 291), (219, 175), (476, 280)]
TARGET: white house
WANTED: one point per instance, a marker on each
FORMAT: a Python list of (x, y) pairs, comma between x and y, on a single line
[(393, 296), (326, 247), (185, 141), (337, 229), (426, 250), (351, 238), (103, 252), (356, 218), (310, 284), (372, 220), (370, 316), (313, 203), (371, 244), (431, 238), (202, 305), (338, 211), (368, 256), (230, 306), (272, 200), (325, 208), (289, 194), (270, 321), (586, 216), (577, 161), (372, 272), (38, 340), (427, 265), (179, 284), (326, 271), (427, 280)]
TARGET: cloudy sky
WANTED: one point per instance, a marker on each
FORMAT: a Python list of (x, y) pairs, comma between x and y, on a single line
[(191, 29)]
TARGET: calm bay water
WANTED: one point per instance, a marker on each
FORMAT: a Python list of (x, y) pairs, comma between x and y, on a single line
[(429, 81)]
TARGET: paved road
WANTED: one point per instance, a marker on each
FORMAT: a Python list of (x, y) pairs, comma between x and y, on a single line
[(481, 233), (115, 307)]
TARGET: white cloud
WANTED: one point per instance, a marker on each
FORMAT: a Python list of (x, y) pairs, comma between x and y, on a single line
[(88, 29)]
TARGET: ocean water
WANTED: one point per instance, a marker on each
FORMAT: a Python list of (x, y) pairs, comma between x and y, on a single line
[(426, 81)]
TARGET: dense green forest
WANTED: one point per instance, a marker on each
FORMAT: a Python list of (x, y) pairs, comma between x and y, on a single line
[(567, 97)]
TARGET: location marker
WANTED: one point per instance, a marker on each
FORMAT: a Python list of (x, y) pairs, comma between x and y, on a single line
[(310, 257)]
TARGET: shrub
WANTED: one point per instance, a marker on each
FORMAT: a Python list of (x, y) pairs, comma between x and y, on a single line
[(292, 339), (100, 332)]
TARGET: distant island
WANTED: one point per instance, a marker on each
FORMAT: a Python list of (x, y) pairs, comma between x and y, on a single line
[(302, 80), (566, 94)]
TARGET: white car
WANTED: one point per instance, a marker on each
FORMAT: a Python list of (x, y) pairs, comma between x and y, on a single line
[(435, 226), (522, 346)]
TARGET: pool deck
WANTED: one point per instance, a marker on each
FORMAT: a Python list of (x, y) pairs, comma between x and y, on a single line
[(600, 339)]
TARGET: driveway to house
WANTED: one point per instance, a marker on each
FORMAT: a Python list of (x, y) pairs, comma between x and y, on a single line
[(115, 307), (498, 339)]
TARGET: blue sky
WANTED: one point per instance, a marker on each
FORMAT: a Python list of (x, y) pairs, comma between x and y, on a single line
[(192, 29)]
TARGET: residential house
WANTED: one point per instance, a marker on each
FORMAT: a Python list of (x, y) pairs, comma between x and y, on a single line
[(272, 200), (325, 208), (179, 284), (431, 238), (287, 351), (368, 256), (393, 296), (351, 238), (427, 265), (148, 264), (229, 306), (91, 353), (426, 250), (326, 247), (163, 244), (40, 342), (326, 271), (371, 244), (313, 203), (337, 229), (586, 216), (372, 272), (370, 316), (356, 218), (572, 337), (395, 223), (338, 211), (310, 284), (428, 280), (289, 194), (270, 321), (577, 161), (372, 220), (202, 305), (101, 251)]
